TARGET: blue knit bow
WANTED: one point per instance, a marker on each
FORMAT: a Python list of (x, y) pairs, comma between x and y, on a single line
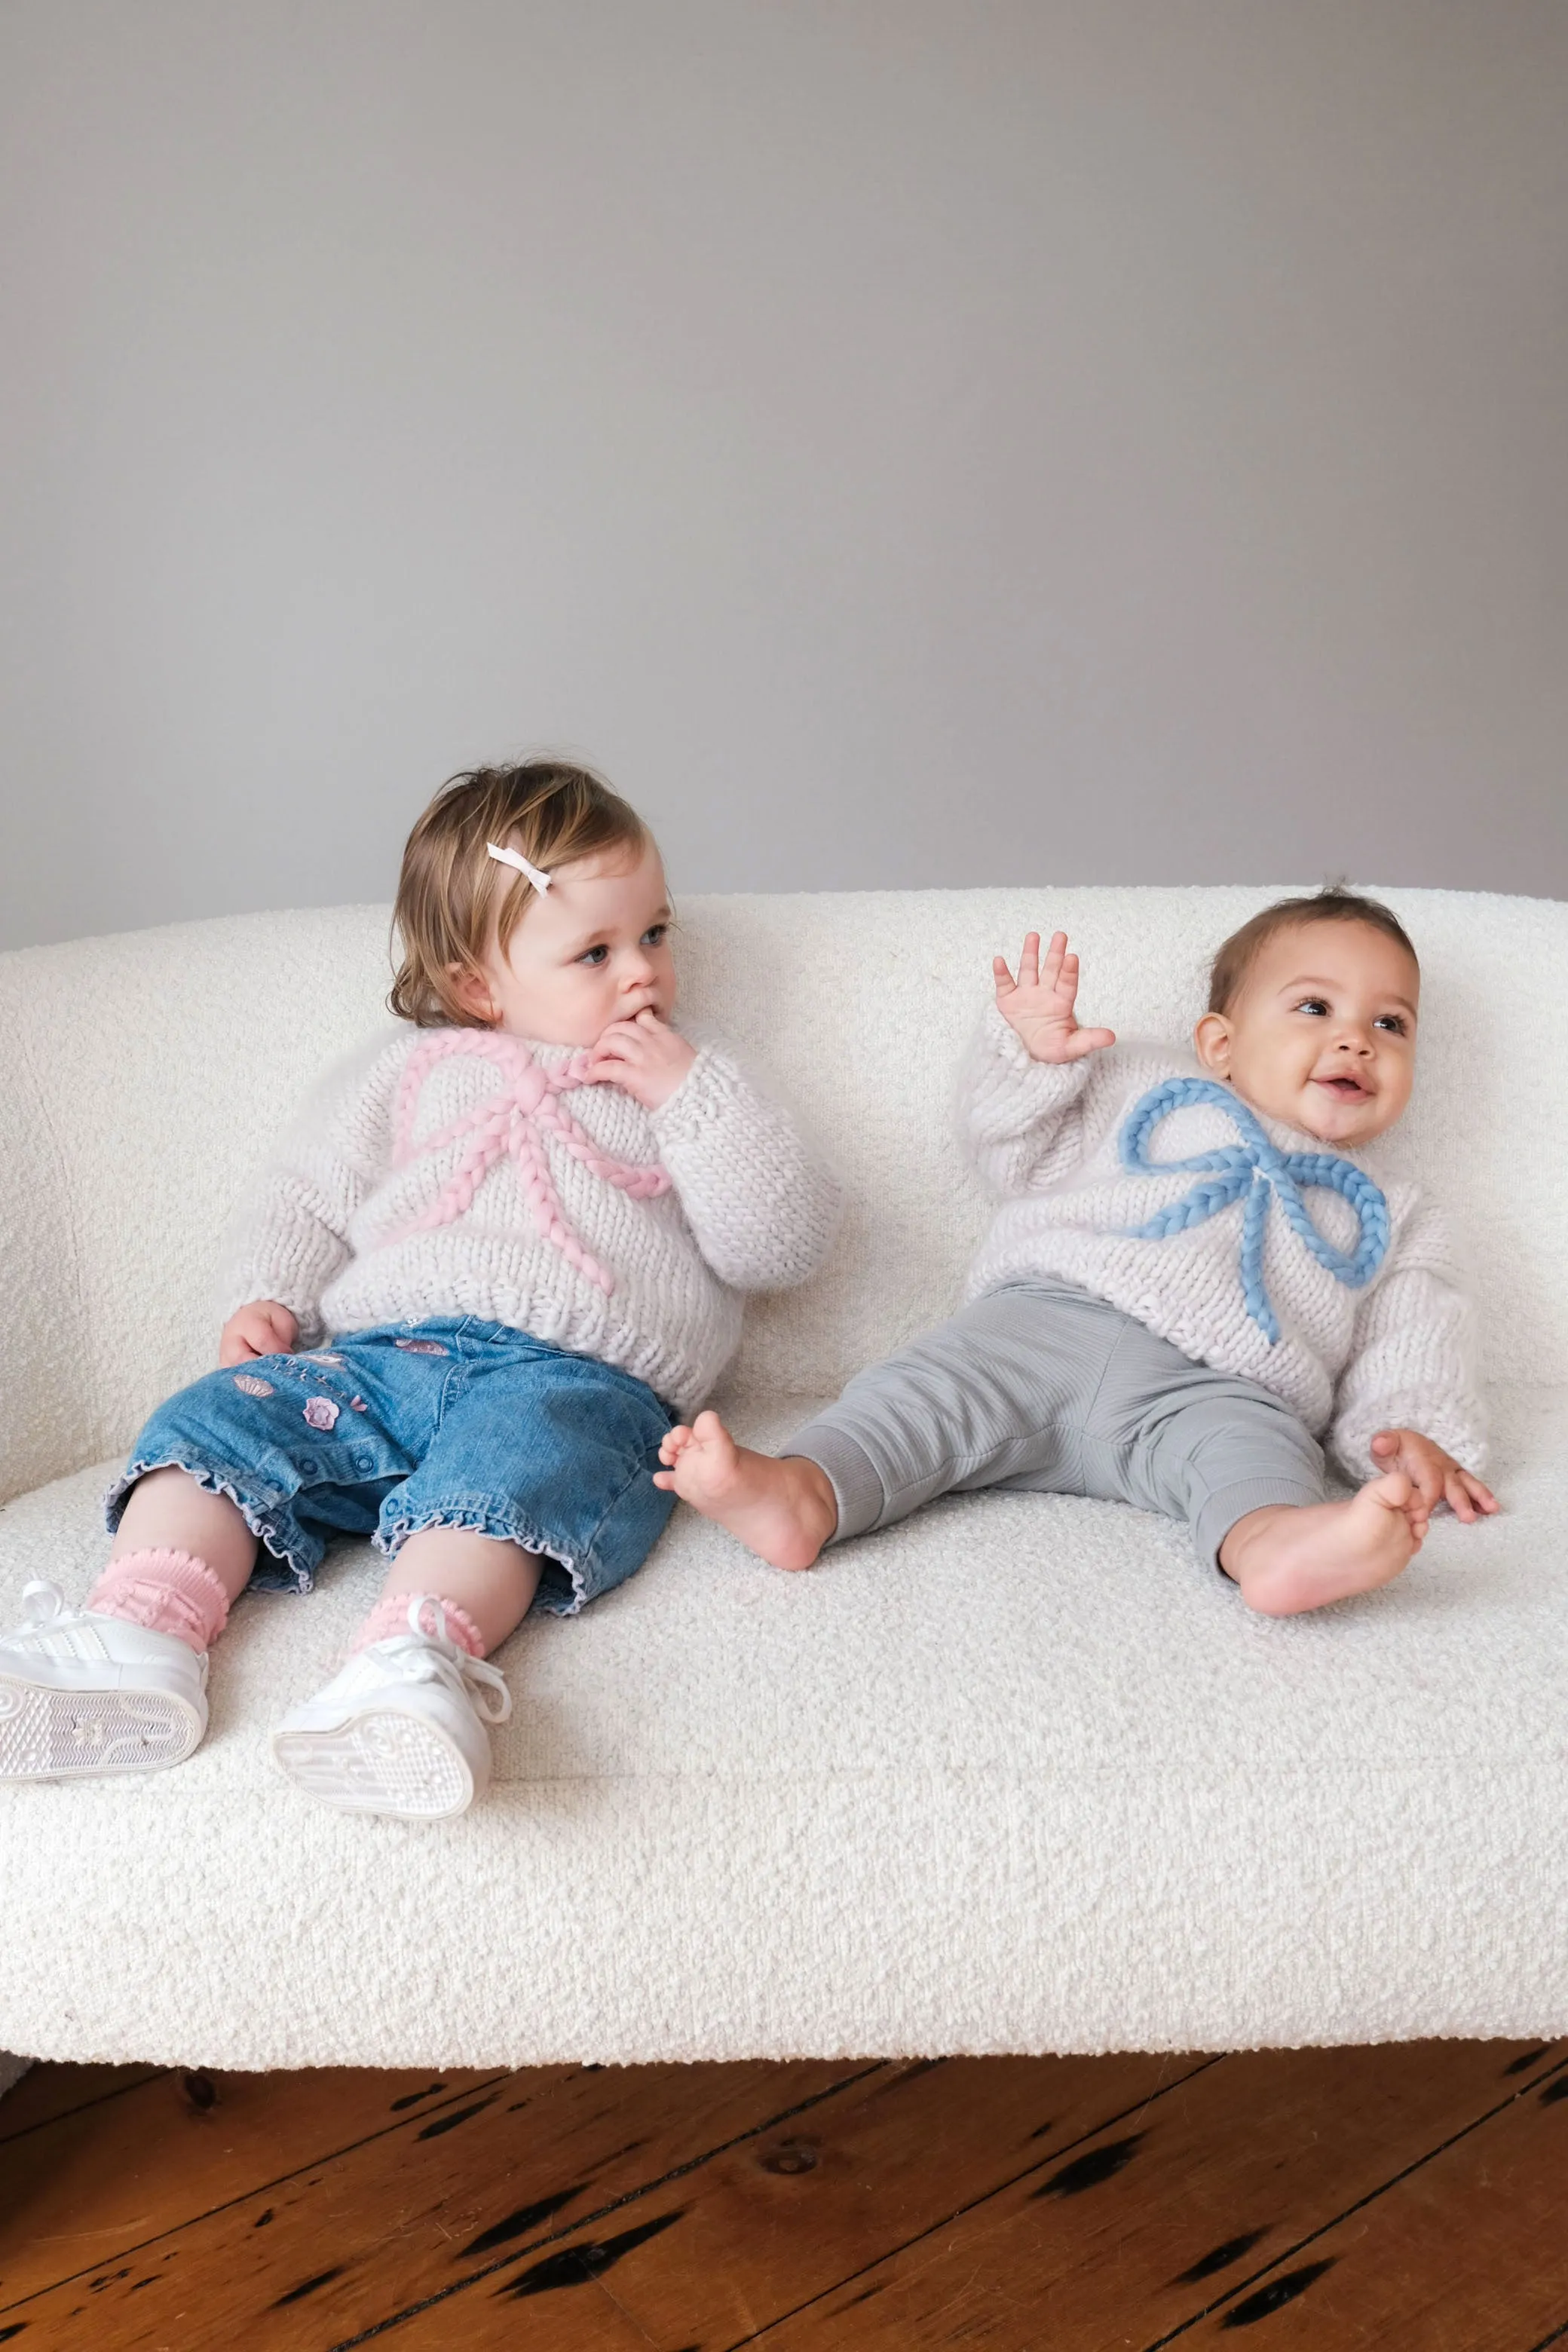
[(1254, 1169)]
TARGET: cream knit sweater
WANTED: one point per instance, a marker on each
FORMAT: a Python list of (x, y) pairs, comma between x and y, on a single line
[(458, 1172), (1054, 1141)]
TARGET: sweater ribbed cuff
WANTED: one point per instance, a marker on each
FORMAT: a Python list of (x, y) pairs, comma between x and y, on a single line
[(704, 1094), (1350, 1441), (1057, 1084)]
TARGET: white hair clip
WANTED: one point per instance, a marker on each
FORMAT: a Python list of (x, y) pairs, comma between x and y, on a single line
[(540, 880)]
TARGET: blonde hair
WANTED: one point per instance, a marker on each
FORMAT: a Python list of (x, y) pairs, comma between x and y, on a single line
[(454, 901), (1333, 904)]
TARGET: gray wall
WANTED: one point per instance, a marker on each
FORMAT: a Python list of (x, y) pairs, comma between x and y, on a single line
[(903, 441)]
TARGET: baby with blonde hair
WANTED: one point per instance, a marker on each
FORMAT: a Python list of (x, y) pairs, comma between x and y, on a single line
[(1188, 1282), (495, 1259)]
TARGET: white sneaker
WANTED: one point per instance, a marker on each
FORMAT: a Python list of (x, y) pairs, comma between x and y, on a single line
[(400, 1729), (81, 1693)]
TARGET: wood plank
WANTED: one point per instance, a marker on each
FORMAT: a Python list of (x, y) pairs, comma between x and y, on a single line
[(344, 2241), (103, 2175), (1123, 2241), (51, 2089), (716, 2253), (1468, 2252), (780, 2228)]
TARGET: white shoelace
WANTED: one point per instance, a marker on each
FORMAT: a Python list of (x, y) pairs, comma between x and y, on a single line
[(421, 1656), (424, 1656)]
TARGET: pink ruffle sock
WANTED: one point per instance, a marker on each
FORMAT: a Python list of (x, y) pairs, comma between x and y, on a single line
[(168, 1593), (390, 1617)]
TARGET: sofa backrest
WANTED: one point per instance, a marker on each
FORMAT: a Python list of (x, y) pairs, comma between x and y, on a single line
[(143, 1074)]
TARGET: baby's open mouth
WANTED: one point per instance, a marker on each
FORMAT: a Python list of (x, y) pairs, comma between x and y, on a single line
[(1351, 1089)]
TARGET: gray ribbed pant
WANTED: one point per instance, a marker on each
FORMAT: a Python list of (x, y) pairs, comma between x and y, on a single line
[(1041, 1388)]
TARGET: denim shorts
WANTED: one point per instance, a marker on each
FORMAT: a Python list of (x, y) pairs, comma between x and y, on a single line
[(455, 1422)]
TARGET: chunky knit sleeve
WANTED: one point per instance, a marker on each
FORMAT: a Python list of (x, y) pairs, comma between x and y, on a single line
[(1413, 1365), (290, 1239), (761, 1205), (1021, 1121)]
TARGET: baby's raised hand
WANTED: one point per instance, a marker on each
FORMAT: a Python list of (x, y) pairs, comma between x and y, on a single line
[(1038, 1005), (265, 1328), (1435, 1476), (644, 1055)]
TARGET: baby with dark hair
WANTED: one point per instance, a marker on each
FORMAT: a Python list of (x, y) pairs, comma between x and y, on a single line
[(1188, 1284)]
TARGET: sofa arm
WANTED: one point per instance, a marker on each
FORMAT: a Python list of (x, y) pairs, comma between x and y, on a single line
[(45, 1383)]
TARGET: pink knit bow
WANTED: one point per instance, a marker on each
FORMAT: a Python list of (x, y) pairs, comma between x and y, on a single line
[(511, 1122)]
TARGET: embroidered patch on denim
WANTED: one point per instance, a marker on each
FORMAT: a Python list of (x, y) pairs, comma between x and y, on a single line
[(321, 1412), (249, 1385), (422, 1347), (358, 1404), (325, 1356)]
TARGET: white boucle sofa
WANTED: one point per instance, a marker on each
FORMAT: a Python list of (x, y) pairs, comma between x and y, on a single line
[(1015, 1776)]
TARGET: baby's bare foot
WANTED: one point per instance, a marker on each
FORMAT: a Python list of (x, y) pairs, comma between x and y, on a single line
[(1289, 1557), (783, 1511)]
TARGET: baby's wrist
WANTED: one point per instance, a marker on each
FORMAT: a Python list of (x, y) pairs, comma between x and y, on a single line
[(661, 1085), (1048, 1048)]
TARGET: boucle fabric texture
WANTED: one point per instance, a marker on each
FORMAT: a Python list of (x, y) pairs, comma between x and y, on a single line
[(1013, 1775), (596, 1225), (1396, 1351)]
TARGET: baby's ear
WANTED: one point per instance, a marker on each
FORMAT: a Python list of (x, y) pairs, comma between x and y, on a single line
[(1211, 1042), (470, 991)]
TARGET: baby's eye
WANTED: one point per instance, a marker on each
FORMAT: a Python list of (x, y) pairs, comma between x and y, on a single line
[(654, 935), (594, 956), (1313, 1004), (1394, 1020)]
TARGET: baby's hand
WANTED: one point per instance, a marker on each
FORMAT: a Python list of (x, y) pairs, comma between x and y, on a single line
[(262, 1328), (644, 1055), (1038, 1005), (1434, 1476)]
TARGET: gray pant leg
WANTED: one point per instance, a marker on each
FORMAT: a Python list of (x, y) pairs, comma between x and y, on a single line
[(996, 1395), (1201, 1445)]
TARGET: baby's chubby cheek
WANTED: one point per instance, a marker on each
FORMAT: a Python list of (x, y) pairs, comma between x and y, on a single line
[(1283, 1091), (1274, 1083)]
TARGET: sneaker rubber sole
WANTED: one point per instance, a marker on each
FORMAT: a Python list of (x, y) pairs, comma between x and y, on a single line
[(381, 1762), (55, 1735)]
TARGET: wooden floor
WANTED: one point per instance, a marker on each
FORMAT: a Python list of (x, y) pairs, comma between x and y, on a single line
[(1411, 2197)]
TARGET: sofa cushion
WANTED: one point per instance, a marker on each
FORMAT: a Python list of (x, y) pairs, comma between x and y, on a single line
[(1016, 1775)]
